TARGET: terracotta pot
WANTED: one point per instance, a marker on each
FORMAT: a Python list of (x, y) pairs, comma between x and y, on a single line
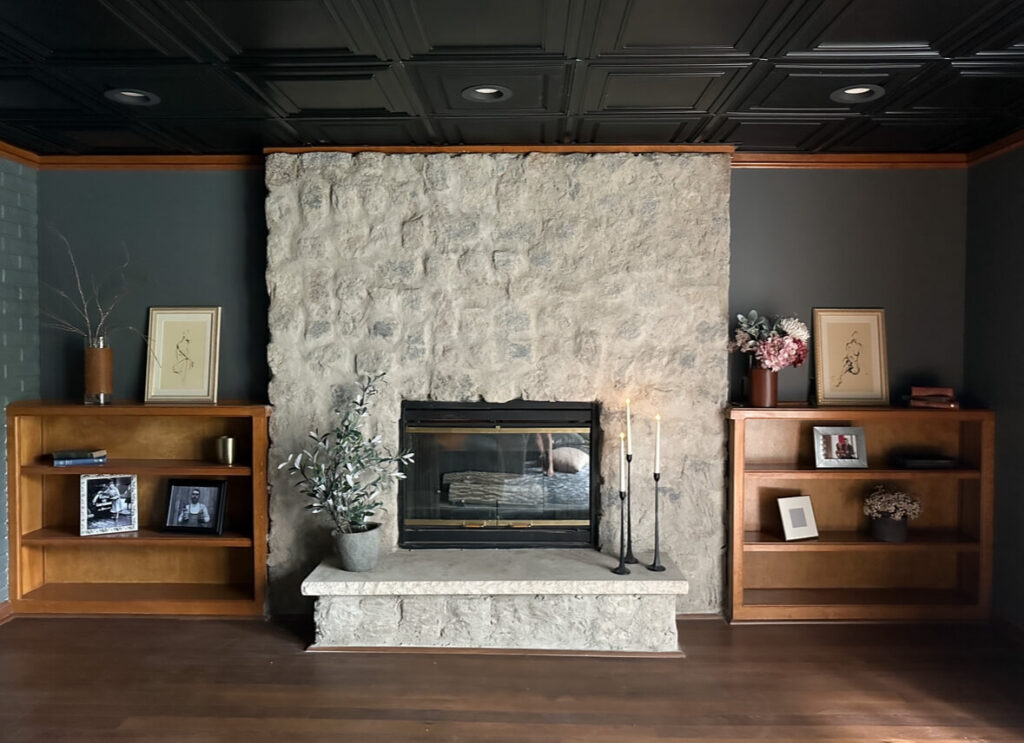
[(886, 529), (358, 550), (762, 387), (99, 373)]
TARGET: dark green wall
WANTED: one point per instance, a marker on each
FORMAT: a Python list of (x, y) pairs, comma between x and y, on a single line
[(856, 238), (194, 239), (995, 269)]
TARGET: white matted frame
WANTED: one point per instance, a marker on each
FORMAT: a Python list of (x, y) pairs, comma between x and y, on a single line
[(798, 517), (840, 447), (849, 357), (184, 354), (108, 504)]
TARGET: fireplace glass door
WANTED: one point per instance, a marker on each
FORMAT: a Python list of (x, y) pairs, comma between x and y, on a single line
[(518, 474)]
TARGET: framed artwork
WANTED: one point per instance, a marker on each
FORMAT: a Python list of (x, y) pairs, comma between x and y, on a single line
[(109, 504), (196, 506), (797, 518), (849, 357), (184, 354), (841, 446)]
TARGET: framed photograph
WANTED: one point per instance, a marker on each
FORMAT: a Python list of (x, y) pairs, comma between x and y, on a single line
[(196, 506), (184, 354), (839, 447), (797, 518), (109, 504), (849, 357)]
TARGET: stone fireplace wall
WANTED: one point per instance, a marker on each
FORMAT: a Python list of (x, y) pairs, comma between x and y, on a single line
[(498, 276)]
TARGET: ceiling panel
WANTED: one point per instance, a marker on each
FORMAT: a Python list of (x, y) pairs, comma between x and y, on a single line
[(281, 29), (692, 28), (684, 88), (238, 75), (483, 27), (536, 88)]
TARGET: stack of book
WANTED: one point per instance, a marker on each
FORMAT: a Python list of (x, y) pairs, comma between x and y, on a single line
[(79, 457), (933, 397)]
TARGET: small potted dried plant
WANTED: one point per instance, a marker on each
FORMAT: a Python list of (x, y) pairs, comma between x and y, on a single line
[(889, 511), (343, 472), (89, 314)]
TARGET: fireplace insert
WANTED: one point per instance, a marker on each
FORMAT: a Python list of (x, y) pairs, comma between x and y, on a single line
[(516, 474)]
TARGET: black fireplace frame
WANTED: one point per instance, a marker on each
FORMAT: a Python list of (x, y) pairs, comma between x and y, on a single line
[(516, 413)]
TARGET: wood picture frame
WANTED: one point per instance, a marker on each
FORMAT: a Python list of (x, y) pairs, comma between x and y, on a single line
[(850, 362), (183, 363), (108, 504), (196, 506), (797, 514), (840, 447)]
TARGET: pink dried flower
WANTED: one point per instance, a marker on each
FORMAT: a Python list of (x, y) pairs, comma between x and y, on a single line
[(778, 352)]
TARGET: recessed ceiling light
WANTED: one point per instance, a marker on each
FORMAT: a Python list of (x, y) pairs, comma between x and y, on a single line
[(487, 93), (132, 97), (857, 93)]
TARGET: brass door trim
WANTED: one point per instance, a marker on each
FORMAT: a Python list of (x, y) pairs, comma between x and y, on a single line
[(485, 523), (494, 429)]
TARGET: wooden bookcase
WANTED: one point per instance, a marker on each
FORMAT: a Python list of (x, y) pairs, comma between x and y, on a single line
[(943, 570), (53, 570)]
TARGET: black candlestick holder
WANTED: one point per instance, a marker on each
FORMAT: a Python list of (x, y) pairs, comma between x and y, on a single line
[(629, 511), (622, 569), (656, 566)]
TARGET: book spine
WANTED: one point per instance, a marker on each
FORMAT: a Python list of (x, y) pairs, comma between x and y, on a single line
[(941, 405), (79, 461)]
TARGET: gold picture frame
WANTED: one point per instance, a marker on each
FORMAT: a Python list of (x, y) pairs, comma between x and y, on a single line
[(184, 354), (850, 362)]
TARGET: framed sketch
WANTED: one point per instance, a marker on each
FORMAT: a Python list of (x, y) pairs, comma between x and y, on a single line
[(184, 354), (839, 447), (109, 504), (196, 506), (849, 357), (797, 518)]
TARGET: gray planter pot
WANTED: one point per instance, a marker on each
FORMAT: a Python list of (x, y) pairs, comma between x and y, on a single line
[(359, 550), (886, 529)]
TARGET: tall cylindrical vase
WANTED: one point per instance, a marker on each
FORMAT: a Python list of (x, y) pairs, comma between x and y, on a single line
[(763, 387), (99, 372)]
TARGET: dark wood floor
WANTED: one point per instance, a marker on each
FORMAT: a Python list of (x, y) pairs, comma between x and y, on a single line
[(189, 681)]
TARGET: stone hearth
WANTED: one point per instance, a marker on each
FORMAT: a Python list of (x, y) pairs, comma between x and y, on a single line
[(542, 599)]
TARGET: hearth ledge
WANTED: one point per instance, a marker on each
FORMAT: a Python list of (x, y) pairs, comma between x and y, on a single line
[(492, 599)]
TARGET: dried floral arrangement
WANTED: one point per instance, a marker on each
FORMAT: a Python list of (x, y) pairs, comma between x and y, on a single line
[(893, 504), (775, 343), (92, 309)]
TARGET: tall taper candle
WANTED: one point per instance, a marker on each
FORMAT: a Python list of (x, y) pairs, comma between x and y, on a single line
[(622, 463), (629, 430), (657, 443)]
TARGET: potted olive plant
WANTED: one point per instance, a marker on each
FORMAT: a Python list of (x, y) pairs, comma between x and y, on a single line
[(343, 473)]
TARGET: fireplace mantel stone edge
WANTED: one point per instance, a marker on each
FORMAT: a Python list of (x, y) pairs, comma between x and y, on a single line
[(497, 599)]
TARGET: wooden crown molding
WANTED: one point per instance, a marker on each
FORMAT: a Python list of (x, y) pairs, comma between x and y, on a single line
[(849, 162), (882, 161), (1001, 147), (515, 149)]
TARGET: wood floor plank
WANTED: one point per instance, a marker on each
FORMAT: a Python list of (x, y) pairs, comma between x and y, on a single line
[(178, 681)]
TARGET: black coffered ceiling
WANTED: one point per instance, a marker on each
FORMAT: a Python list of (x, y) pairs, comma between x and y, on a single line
[(238, 75)]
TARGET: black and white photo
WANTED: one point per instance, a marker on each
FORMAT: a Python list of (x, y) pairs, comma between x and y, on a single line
[(196, 506), (109, 504)]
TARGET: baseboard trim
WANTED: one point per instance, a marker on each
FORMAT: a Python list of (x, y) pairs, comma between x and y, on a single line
[(6, 611), (502, 651)]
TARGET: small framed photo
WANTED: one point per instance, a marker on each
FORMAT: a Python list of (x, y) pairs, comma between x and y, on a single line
[(196, 506), (849, 357), (109, 504), (797, 518), (184, 354), (839, 447)]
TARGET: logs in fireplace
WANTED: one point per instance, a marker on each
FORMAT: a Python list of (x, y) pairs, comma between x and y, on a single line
[(516, 474)]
